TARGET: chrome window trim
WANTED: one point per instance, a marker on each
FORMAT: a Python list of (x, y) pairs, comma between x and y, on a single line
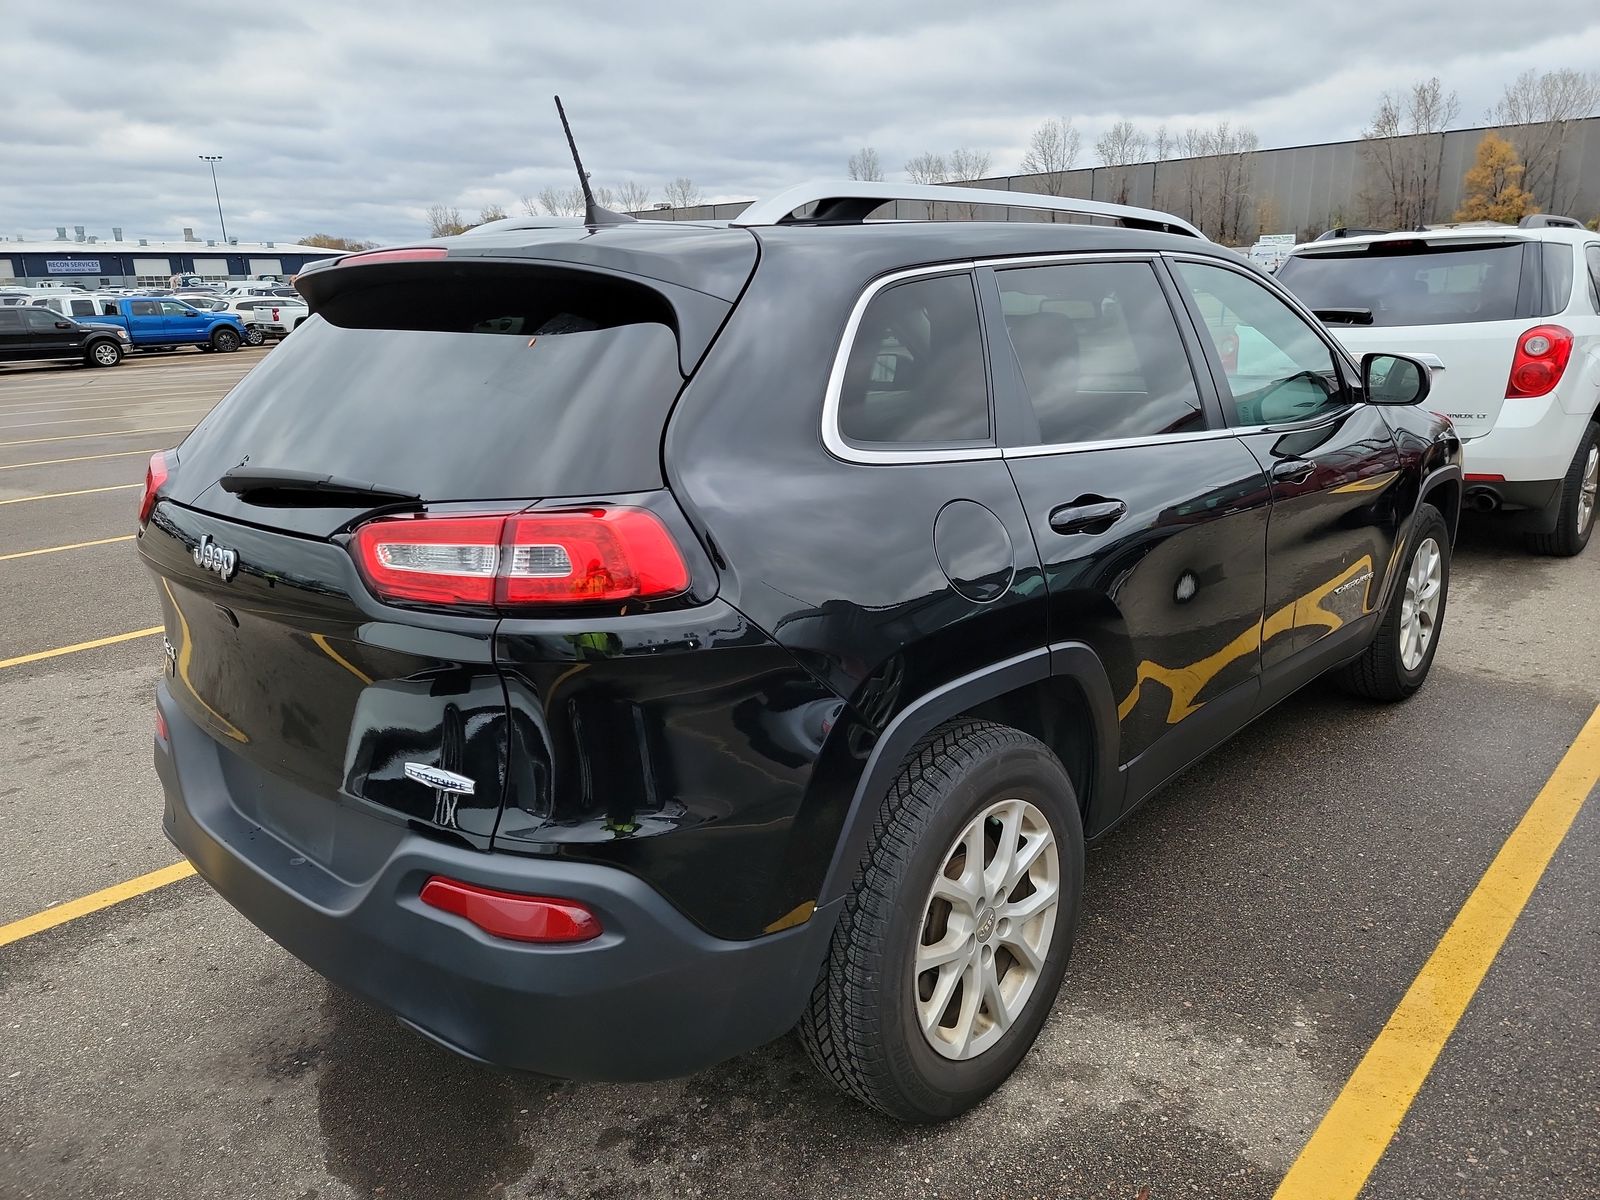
[(834, 441)]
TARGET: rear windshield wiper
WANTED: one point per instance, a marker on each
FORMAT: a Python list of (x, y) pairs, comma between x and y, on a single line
[(276, 485), (1344, 316)]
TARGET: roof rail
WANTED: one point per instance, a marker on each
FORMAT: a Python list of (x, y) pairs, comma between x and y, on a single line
[(849, 200), (1547, 221)]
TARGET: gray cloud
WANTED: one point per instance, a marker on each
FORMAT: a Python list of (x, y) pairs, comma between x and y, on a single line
[(338, 120)]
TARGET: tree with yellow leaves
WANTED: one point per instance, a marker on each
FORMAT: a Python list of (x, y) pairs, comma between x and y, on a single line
[(1492, 189)]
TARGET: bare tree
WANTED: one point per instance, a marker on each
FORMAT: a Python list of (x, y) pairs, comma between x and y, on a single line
[(968, 164), (561, 202), (1401, 150), (1214, 191), (926, 167), (1542, 105), (1122, 144), (327, 241), (530, 205), (682, 193), (864, 165), (444, 221), (634, 197), (604, 197), (1052, 151), (490, 212), (1162, 144)]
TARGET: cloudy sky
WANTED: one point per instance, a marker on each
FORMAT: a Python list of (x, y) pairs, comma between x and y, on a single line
[(351, 120)]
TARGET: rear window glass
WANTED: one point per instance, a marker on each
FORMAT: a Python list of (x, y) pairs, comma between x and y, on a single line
[(1412, 283), (478, 384)]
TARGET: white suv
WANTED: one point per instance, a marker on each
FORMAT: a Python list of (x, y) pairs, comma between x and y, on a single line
[(1508, 317)]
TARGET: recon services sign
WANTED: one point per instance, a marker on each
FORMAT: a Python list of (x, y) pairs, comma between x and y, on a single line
[(72, 266)]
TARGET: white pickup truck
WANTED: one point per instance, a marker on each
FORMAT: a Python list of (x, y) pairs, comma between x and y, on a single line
[(266, 316)]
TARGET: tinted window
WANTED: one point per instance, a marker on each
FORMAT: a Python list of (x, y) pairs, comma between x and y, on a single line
[(173, 308), (1592, 255), (145, 308), (916, 371), (1556, 292), (1278, 368), (1100, 352), (83, 308), (10, 319), (495, 383), (1412, 283), (41, 319)]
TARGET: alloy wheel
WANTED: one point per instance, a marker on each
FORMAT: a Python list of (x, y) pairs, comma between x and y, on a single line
[(1419, 609), (106, 354), (986, 929), (1586, 492)]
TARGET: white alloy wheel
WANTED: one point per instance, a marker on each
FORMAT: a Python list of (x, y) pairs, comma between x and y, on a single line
[(1419, 610)]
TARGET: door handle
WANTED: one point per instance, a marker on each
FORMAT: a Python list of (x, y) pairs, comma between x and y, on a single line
[(1087, 514), (1293, 470)]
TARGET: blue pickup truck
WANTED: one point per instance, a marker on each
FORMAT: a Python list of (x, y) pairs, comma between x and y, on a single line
[(155, 321)]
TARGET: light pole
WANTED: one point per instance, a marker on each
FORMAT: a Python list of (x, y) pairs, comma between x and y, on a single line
[(212, 160)]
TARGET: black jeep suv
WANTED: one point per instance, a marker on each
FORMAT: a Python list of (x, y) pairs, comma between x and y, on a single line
[(610, 647)]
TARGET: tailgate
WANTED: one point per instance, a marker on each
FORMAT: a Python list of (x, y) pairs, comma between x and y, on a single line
[(311, 694), (1474, 362)]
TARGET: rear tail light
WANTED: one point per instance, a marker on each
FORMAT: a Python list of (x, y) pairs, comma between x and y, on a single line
[(574, 556), (512, 915), (155, 475), (1541, 357)]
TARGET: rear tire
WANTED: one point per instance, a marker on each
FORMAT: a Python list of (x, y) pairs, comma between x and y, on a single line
[(1396, 664), (225, 340), (892, 1019), (254, 335), (103, 354), (1575, 522)]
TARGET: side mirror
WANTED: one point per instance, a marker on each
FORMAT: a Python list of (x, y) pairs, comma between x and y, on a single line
[(63, 324), (1395, 379)]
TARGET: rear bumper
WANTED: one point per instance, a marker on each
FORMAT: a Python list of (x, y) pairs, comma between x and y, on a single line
[(652, 997), (1533, 441)]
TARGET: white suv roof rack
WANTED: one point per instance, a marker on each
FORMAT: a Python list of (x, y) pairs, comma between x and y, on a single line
[(851, 200)]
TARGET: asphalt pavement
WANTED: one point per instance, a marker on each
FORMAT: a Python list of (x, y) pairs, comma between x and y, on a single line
[(1246, 936)]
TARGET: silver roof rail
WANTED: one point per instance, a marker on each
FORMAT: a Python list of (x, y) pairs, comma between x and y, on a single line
[(850, 200)]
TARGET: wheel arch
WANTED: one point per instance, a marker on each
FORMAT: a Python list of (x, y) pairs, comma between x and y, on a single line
[(1059, 694)]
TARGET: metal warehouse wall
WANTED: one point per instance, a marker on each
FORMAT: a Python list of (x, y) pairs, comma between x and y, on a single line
[(1298, 189)]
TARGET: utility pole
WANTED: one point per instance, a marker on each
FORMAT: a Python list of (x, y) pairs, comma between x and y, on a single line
[(212, 160)]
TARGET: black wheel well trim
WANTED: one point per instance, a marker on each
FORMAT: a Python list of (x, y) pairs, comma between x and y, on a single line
[(1072, 660), (1450, 472)]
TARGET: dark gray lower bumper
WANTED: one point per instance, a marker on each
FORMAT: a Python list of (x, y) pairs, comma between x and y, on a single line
[(652, 997)]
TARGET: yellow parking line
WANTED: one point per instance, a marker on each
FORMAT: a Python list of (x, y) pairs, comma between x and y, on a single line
[(94, 902), (127, 537), (1352, 1137), (56, 462), (116, 487), (114, 433), (40, 655)]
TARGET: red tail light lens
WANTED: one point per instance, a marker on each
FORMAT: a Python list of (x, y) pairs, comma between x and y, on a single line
[(512, 915), (155, 476), (582, 556), (1542, 356)]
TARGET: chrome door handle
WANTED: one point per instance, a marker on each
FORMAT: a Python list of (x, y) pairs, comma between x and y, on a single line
[(1293, 470)]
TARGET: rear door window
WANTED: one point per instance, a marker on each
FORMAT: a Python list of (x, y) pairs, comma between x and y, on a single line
[(1100, 352), (466, 383), (916, 373), (1278, 369), (145, 308)]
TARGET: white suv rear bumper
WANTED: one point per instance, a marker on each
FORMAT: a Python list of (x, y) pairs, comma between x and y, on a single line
[(1533, 440)]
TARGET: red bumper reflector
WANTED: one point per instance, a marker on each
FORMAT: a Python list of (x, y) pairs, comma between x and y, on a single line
[(1486, 478), (161, 726), (512, 915)]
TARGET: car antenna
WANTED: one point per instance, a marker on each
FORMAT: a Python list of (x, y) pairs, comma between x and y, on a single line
[(593, 214)]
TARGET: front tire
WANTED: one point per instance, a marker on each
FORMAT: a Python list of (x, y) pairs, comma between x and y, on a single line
[(1579, 487), (953, 942), (1396, 664), (103, 354), (224, 340), (254, 335)]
